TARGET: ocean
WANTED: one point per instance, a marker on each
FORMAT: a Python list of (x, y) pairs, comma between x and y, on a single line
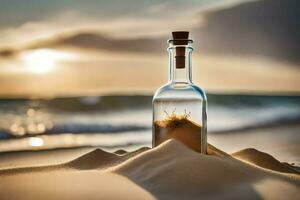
[(124, 121)]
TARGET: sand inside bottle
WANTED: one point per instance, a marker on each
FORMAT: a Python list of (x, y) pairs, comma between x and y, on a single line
[(178, 127)]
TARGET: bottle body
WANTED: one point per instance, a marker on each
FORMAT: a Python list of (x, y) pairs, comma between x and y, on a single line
[(179, 107), (179, 112)]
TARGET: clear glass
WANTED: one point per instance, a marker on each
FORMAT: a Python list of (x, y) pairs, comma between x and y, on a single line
[(179, 107)]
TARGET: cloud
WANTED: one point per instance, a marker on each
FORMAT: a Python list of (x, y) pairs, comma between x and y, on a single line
[(241, 30), (99, 42), (7, 52), (264, 28), (14, 13), (22, 22), (72, 22)]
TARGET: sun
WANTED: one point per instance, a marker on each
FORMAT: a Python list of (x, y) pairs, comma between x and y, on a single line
[(43, 60)]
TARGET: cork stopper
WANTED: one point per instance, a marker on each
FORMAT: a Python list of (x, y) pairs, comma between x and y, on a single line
[(180, 38), (180, 34)]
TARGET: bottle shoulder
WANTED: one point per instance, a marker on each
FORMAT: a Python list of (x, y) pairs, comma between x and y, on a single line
[(180, 90)]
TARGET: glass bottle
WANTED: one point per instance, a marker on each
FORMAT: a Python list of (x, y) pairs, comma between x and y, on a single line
[(179, 107)]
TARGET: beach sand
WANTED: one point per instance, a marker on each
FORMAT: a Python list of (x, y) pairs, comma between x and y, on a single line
[(168, 171)]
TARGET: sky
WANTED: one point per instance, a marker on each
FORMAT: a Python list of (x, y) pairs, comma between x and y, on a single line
[(23, 21), (64, 47)]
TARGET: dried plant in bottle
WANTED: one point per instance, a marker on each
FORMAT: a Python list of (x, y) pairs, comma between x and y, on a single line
[(179, 127)]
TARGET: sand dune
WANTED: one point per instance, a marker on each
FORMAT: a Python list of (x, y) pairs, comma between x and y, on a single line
[(263, 160), (101, 159), (169, 171)]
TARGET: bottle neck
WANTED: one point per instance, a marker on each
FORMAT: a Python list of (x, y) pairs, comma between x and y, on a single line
[(180, 64)]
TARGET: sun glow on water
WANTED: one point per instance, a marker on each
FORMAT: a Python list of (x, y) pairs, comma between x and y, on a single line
[(36, 141), (43, 60)]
